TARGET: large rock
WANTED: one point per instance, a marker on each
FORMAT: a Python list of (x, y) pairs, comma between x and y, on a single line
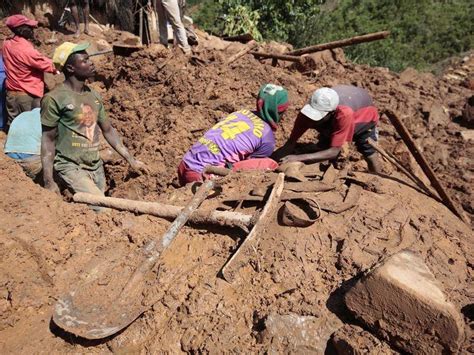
[(401, 301), (291, 333), (353, 340)]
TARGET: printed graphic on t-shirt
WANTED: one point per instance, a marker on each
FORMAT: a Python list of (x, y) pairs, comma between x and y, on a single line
[(88, 120)]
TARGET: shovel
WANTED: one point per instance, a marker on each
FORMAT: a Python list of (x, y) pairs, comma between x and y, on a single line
[(82, 313)]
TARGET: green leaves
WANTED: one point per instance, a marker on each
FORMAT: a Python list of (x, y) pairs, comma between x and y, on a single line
[(423, 31)]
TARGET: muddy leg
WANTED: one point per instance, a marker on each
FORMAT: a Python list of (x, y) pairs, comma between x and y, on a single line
[(374, 164), (75, 17)]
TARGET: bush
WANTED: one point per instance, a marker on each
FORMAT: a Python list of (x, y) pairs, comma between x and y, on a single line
[(423, 32)]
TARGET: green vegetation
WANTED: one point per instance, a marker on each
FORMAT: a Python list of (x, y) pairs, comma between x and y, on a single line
[(423, 31)]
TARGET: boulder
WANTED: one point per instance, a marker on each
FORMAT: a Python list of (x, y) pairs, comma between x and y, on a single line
[(401, 301), (435, 114), (353, 340), (292, 333), (468, 112), (467, 135)]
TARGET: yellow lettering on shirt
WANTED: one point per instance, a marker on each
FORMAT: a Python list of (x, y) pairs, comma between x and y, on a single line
[(213, 148)]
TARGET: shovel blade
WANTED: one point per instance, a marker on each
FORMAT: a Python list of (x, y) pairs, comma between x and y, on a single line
[(94, 321)]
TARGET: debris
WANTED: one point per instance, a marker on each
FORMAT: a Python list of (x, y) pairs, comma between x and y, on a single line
[(401, 301), (90, 318), (467, 135), (351, 339), (393, 161), (300, 212), (251, 45), (291, 333), (418, 155), (239, 258)]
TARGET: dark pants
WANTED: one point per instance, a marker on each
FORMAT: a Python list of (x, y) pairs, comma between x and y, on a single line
[(18, 102)]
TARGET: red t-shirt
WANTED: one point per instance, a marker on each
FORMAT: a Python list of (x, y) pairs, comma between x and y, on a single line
[(354, 114), (25, 66)]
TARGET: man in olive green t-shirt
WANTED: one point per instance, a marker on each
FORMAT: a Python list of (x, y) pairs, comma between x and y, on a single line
[(72, 116)]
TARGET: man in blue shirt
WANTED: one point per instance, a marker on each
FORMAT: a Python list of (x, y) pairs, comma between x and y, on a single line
[(24, 142)]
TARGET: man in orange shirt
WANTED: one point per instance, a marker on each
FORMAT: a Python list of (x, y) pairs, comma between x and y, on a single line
[(24, 66)]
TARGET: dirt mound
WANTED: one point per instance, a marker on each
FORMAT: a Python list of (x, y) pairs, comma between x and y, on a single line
[(162, 102)]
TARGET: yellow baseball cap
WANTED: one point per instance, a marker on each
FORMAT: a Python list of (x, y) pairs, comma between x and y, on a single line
[(62, 53)]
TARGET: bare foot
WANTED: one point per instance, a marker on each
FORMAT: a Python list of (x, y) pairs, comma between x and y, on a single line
[(87, 32), (77, 34)]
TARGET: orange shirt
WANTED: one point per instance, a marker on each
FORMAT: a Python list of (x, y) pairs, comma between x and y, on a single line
[(25, 66)]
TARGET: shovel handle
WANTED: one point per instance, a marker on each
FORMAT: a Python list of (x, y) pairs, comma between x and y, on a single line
[(154, 251)]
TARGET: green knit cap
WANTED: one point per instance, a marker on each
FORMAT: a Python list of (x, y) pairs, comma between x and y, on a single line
[(271, 101)]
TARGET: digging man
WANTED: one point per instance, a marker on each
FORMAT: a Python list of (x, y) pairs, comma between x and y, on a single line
[(244, 140), (340, 114), (71, 116)]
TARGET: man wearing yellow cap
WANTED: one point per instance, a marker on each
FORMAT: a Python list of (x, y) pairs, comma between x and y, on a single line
[(71, 116)]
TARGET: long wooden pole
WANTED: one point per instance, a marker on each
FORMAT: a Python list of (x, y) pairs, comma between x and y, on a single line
[(420, 159), (341, 43), (249, 46), (288, 58), (223, 218), (411, 176)]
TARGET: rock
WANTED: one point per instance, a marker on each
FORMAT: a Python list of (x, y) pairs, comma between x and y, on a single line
[(291, 333), (468, 111), (102, 45), (467, 135), (401, 301), (435, 114), (353, 340)]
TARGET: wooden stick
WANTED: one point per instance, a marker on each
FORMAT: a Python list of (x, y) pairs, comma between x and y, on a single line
[(245, 38), (309, 186), (411, 176), (240, 257), (170, 212), (420, 159), (341, 43), (97, 23), (288, 58), (251, 45)]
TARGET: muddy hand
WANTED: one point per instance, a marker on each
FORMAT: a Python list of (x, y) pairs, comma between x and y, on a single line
[(290, 159), (139, 167)]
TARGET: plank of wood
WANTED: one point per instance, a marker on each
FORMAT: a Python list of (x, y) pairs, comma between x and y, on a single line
[(241, 256)]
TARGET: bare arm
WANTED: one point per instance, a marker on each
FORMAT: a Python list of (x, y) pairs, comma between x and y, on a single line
[(327, 154), (48, 151), (113, 139)]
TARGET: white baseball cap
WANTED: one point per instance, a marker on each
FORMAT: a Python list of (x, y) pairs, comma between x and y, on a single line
[(322, 102)]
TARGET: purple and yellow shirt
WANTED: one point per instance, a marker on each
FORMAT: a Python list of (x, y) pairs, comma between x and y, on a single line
[(239, 136)]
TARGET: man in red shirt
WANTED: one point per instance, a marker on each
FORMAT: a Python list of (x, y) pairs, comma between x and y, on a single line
[(340, 114), (24, 66)]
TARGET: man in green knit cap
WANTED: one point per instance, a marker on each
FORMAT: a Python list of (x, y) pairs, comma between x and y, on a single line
[(244, 140)]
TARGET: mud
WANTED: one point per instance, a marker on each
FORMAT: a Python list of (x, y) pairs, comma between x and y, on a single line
[(161, 102)]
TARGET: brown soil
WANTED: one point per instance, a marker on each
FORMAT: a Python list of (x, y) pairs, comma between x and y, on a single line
[(161, 102)]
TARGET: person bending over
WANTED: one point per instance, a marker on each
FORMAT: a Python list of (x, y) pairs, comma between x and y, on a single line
[(340, 114), (244, 140)]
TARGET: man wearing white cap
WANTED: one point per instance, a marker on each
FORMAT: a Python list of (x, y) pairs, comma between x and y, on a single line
[(340, 114)]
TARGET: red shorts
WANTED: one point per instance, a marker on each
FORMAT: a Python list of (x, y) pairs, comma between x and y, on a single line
[(186, 175)]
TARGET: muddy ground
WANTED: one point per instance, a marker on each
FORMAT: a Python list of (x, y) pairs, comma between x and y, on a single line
[(161, 102)]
